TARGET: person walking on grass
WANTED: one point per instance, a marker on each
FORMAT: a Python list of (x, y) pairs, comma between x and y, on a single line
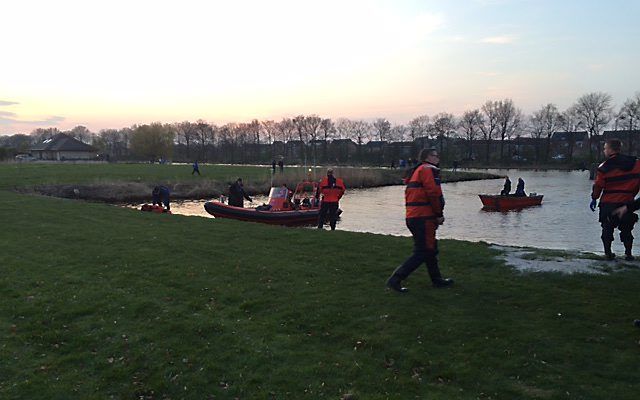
[(424, 205), (332, 189), (617, 183), (196, 168)]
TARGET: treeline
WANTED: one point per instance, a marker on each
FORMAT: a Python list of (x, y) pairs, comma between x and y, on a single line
[(311, 138)]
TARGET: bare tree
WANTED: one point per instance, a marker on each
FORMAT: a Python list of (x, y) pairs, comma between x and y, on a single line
[(594, 110), (419, 127), (544, 123), (204, 133), (489, 124), (630, 113), (569, 121), (285, 131), (82, 133), (443, 125), (470, 123), (398, 133), (382, 128), (189, 133), (328, 130), (509, 119)]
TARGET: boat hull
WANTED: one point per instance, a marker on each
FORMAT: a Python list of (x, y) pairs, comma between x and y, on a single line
[(496, 202), (288, 218)]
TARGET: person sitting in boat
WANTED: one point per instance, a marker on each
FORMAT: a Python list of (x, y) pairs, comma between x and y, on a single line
[(160, 196), (237, 194), (507, 187), (520, 188), (306, 202)]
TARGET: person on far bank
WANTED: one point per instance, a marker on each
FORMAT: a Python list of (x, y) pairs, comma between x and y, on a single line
[(520, 188), (424, 205), (616, 184), (332, 189), (196, 168), (507, 187), (237, 194)]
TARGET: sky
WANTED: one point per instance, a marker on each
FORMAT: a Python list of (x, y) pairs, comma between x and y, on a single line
[(111, 64)]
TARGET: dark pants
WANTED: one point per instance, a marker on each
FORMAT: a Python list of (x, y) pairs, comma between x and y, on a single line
[(425, 248), (195, 170), (609, 223), (329, 210)]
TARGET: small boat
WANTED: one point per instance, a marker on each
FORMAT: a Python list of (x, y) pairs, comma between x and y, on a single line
[(301, 209), (496, 202)]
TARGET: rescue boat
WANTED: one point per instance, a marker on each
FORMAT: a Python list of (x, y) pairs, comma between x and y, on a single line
[(301, 208), (496, 202)]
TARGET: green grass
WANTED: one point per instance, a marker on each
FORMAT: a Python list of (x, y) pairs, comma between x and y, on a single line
[(104, 302)]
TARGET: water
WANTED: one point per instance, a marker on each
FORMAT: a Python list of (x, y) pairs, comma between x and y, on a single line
[(563, 221)]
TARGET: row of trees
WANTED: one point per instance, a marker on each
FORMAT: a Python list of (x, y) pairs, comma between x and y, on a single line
[(495, 120)]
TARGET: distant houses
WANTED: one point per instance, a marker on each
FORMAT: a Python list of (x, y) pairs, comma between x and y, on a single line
[(62, 147)]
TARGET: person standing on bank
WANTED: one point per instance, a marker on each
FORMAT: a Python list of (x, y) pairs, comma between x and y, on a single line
[(237, 194), (332, 189), (424, 204), (196, 168), (617, 183)]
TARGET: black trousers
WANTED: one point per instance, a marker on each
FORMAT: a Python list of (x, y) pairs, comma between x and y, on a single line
[(425, 248), (609, 223), (328, 210)]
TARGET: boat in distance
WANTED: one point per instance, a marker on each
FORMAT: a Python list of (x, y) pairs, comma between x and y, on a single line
[(497, 202)]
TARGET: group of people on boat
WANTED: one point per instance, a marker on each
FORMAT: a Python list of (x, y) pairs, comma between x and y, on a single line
[(506, 189)]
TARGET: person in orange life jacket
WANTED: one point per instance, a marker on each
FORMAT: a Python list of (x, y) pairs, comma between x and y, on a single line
[(331, 189), (617, 183), (424, 204)]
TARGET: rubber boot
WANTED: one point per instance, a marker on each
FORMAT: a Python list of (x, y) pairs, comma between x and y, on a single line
[(435, 275), (394, 282), (607, 250), (628, 246)]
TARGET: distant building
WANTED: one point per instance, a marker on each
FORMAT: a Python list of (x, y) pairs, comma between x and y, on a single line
[(63, 147)]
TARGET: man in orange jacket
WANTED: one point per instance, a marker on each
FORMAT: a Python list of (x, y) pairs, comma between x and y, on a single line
[(617, 183), (331, 189), (424, 205)]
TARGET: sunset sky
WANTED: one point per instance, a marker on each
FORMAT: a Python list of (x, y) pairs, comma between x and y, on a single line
[(111, 64)]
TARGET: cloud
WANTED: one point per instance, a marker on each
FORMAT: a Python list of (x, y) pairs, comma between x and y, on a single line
[(7, 103), (596, 67), (8, 118), (504, 39)]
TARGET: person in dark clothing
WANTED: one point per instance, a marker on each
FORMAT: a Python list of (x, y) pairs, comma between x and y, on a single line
[(332, 189), (507, 187), (520, 188), (273, 166), (160, 195), (617, 183), (424, 205), (281, 165), (237, 194), (196, 168)]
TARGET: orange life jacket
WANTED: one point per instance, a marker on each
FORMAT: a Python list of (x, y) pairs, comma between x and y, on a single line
[(331, 193), (423, 195), (617, 180)]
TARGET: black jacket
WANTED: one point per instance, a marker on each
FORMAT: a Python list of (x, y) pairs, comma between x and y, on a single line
[(237, 195)]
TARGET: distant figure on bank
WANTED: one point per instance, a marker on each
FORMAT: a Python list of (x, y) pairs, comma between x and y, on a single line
[(332, 189), (196, 168), (237, 194), (160, 196), (617, 183), (520, 188), (393, 164), (281, 165), (424, 204), (273, 166), (456, 164), (402, 163), (507, 187)]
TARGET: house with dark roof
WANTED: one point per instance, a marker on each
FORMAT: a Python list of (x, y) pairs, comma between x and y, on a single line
[(62, 147)]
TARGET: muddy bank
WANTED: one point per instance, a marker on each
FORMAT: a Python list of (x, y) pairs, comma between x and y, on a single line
[(123, 192)]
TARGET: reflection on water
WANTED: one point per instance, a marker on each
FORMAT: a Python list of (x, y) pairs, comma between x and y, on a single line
[(563, 221)]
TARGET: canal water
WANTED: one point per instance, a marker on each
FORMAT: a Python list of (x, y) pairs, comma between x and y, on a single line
[(563, 221)]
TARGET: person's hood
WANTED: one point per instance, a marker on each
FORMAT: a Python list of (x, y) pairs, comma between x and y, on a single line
[(618, 161)]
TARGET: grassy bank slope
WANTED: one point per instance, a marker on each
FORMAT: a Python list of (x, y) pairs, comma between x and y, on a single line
[(100, 302)]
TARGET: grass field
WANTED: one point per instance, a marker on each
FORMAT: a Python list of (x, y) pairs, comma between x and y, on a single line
[(102, 302)]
